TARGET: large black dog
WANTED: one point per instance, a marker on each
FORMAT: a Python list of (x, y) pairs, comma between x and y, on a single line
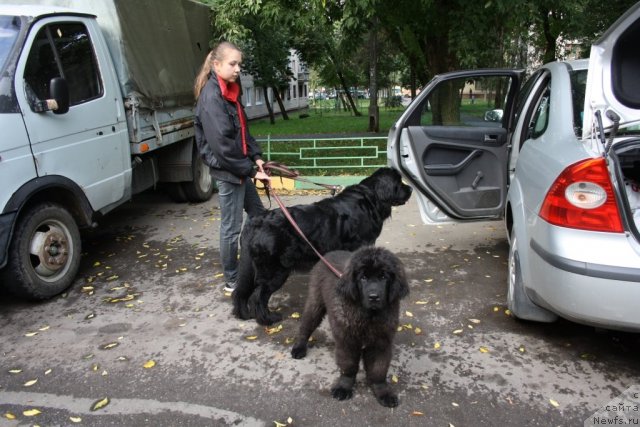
[(271, 248), (363, 310)]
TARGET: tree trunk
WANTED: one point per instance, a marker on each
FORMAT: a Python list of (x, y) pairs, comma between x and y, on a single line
[(272, 117), (352, 104), (374, 113), (549, 38), (283, 110)]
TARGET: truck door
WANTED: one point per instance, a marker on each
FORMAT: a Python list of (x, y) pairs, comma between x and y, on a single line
[(89, 143)]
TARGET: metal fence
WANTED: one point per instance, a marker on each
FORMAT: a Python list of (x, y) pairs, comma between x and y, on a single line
[(328, 156)]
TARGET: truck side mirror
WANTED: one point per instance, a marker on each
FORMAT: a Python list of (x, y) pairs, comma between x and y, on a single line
[(59, 92)]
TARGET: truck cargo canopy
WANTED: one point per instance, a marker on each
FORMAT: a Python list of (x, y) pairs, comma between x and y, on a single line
[(157, 46)]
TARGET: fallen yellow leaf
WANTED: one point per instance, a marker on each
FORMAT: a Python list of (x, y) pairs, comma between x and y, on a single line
[(279, 424), (30, 334), (251, 337), (149, 364), (47, 372), (436, 346), (44, 328), (457, 331), (394, 379), (9, 416), (217, 276), (110, 345), (417, 413), (408, 314), (554, 403), (422, 302), (295, 315), (30, 383), (418, 331), (15, 371), (99, 404), (484, 350), (273, 330), (31, 412), (75, 419)]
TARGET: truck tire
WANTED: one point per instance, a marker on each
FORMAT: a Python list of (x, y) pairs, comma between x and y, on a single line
[(44, 255), (202, 186)]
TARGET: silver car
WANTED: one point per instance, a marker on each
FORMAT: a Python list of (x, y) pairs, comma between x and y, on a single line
[(557, 157)]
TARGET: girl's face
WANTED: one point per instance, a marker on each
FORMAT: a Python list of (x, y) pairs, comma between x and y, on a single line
[(228, 69)]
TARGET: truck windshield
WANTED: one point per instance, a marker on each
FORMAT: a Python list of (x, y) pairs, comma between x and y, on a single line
[(9, 29)]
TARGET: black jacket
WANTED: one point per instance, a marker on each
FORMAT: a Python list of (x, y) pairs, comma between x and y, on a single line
[(219, 137)]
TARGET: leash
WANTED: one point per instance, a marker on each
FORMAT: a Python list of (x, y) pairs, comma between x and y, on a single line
[(268, 167)]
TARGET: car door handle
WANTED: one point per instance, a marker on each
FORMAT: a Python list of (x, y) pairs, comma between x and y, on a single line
[(449, 169), (490, 139)]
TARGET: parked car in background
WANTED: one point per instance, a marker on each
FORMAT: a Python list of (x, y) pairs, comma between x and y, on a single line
[(557, 157)]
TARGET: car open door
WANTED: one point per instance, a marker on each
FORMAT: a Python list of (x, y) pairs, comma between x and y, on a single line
[(452, 144)]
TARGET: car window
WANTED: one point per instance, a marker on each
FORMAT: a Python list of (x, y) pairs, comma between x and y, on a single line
[(541, 117), (63, 50), (467, 102), (578, 88)]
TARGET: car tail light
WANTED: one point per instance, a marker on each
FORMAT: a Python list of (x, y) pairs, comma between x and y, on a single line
[(582, 197)]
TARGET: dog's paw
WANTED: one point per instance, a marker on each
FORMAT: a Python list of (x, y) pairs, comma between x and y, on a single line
[(269, 319), (299, 351), (241, 312), (389, 400), (341, 393)]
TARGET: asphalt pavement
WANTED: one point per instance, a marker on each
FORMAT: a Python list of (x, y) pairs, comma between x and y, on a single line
[(145, 336)]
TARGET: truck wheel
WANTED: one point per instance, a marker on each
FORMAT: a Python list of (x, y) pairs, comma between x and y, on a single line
[(202, 186), (44, 255), (517, 299)]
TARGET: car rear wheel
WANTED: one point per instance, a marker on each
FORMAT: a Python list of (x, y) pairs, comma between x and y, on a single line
[(517, 300)]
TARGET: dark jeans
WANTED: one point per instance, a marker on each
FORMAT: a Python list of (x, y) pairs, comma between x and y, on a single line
[(234, 199)]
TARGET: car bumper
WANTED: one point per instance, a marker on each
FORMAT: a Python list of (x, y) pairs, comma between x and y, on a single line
[(588, 277)]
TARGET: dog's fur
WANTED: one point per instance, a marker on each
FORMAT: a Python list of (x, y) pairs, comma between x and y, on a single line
[(363, 309), (271, 248)]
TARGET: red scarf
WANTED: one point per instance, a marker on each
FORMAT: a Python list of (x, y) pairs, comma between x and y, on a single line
[(231, 92)]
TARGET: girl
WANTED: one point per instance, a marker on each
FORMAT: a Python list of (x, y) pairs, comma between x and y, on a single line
[(225, 144)]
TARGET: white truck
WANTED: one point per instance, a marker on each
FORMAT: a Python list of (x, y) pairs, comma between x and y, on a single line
[(96, 105)]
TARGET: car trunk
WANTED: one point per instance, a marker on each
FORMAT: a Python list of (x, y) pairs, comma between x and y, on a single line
[(626, 156)]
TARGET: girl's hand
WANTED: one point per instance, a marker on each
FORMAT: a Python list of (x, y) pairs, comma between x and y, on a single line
[(259, 163), (262, 176)]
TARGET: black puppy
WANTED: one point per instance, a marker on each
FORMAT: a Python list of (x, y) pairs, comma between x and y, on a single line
[(271, 248), (363, 309)]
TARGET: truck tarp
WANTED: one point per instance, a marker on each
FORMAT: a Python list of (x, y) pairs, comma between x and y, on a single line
[(157, 46)]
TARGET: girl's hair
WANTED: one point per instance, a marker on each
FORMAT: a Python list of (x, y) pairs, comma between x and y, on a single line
[(216, 54)]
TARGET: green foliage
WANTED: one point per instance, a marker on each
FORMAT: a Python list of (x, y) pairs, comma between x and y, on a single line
[(322, 121)]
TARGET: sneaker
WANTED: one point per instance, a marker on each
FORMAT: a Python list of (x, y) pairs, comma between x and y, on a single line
[(229, 286)]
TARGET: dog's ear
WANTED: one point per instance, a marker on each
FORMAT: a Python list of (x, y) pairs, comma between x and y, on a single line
[(348, 286), (399, 288)]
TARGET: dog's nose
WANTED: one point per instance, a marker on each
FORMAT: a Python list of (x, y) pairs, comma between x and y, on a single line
[(373, 297)]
